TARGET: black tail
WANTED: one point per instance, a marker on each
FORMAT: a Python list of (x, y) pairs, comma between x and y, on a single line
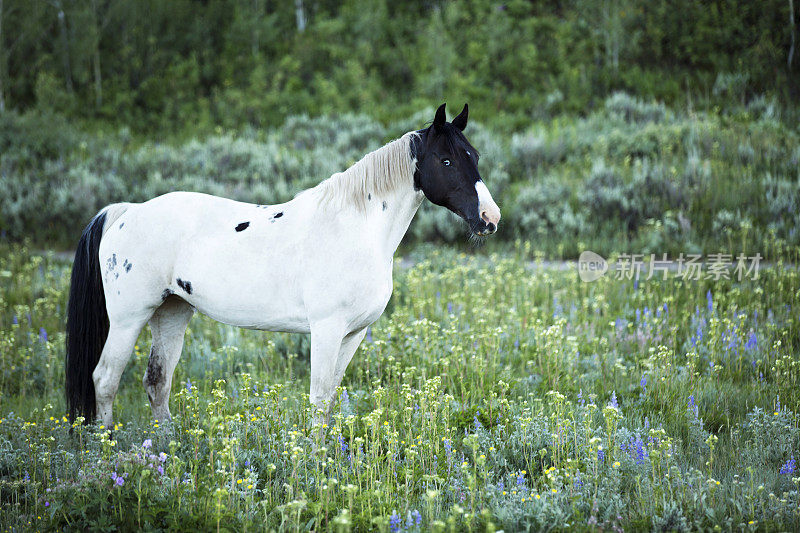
[(87, 322)]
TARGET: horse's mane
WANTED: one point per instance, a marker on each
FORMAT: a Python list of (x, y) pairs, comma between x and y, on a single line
[(377, 173)]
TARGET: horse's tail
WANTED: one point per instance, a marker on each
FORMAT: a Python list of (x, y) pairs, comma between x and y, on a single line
[(87, 318)]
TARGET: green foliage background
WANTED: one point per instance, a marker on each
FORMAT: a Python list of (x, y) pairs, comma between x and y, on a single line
[(168, 66), (613, 124)]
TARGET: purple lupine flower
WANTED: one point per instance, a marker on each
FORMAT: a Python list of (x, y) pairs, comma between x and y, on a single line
[(643, 383), (646, 423), (619, 323), (638, 315), (394, 522), (516, 343), (369, 334), (14, 320), (601, 456), (613, 403), (636, 284), (147, 444), (520, 479), (581, 401), (188, 385), (43, 334), (710, 301), (417, 517), (641, 453), (692, 406), (342, 444), (477, 422), (789, 467), (751, 343), (449, 308)]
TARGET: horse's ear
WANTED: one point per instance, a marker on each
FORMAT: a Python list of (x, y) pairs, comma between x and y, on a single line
[(440, 118), (460, 121)]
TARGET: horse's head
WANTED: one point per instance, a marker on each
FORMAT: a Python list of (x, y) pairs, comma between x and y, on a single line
[(447, 172)]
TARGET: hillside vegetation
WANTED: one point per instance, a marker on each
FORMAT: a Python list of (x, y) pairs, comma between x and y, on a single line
[(633, 176)]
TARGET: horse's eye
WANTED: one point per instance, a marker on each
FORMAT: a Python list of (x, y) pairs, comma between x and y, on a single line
[(446, 162)]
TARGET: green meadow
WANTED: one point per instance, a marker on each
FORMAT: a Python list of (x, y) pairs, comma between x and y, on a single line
[(496, 393)]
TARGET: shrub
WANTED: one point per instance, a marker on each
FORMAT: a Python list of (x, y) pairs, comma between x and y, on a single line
[(543, 210), (634, 110)]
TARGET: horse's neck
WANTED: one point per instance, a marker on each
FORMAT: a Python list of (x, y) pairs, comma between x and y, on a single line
[(390, 215)]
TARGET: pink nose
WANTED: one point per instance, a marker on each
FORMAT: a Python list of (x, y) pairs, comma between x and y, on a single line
[(491, 215)]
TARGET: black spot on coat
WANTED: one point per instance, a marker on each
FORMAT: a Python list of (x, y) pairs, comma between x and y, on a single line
[(122, 224), (243, 226), (279, 215), (185, 285), (166, 294), (385, 205)]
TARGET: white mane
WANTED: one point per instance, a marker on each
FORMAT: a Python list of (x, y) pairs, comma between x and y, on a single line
[(377, 173)]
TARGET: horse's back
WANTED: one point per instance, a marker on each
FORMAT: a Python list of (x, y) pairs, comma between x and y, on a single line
[(234, 261)]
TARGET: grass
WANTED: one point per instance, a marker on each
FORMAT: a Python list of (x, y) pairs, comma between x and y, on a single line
[(491, 395)]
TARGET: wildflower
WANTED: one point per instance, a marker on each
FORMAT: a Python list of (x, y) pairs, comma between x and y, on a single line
[(14, 320), (394, 522), (147, 444), (47, 504), (162, 457), (188, 385), (449, 308), (118, 480), (710, 301), (616, 464), (520, 479), (613, 403), (789, 467), (414, 519), (750, 345), (643, 383), (692, 406), (43, 334), (601, 455), (369, 334)]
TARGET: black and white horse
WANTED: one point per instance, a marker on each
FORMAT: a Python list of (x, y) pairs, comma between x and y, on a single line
[(319, 264)]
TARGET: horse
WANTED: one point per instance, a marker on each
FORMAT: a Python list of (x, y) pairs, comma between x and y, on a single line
[(319, 264)]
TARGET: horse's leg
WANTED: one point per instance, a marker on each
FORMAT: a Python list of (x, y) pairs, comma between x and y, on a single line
[(116, 353), (326, 342), (168, 325), (349, 346)]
